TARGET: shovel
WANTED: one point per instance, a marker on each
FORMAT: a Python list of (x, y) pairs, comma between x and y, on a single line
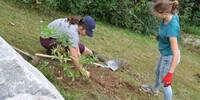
[(113, 64), (35, 58)]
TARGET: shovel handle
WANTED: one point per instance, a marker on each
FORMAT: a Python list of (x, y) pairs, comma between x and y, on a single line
[(99, 57), (23, 52), (47, 56), (100, 65), (44, 56)]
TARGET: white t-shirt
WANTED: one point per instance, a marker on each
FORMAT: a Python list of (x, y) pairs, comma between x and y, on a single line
[(62, 27)]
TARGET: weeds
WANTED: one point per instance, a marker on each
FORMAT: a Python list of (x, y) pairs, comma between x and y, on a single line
[(70, 72), (47, 32), (61, 54), (43, 66), (88, 59)]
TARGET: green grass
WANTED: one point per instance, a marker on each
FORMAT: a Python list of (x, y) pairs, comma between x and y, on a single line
[(139, 51), (191, 29)]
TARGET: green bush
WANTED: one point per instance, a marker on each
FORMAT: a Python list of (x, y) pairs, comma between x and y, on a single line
[(132, 14), (190, 11), (123, 13)]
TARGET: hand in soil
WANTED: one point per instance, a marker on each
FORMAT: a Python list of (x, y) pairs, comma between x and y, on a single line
[(85, 73)]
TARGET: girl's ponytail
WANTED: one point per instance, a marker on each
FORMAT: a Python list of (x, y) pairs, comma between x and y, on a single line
[(78, 20), (174, 6), (74, 19)]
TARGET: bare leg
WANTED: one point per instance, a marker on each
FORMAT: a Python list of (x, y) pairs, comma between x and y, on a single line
[(87, 51)]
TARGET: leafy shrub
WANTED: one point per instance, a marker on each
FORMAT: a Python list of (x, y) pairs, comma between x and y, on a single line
[(47, 32), (190, 11), (88, 59), (64, 40), (61, 38), (124, 13), (70, 72), (43, 66), (132, 14), (61, 54)]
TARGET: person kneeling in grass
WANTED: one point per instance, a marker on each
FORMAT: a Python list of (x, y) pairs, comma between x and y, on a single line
[(169, 34), (72, 27)]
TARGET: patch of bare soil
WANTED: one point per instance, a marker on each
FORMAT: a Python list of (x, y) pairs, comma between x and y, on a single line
[(102, 80)]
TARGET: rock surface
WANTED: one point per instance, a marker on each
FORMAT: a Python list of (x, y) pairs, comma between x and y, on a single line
[(192, 40), (19, 80)]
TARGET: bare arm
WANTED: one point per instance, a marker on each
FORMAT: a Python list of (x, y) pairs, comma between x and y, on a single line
[(175, 51), (79, 54), (75, 55)]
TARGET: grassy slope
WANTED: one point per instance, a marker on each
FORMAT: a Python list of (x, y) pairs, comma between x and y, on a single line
[(192, 29), (139, 51)]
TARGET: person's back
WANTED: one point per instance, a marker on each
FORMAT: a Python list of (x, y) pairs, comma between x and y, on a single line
[(62, 28)]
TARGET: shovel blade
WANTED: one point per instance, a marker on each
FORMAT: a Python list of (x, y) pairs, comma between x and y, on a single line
[(113, 64)]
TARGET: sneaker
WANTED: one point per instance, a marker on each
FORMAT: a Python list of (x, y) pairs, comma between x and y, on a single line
[(149, 89)]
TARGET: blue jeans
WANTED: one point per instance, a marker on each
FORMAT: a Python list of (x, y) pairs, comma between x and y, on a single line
[(162, 69)]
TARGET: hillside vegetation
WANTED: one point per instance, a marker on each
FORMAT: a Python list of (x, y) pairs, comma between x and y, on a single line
[(20, 26)]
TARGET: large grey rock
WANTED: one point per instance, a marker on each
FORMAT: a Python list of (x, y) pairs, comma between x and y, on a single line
[(29, 97), (19, 80)]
